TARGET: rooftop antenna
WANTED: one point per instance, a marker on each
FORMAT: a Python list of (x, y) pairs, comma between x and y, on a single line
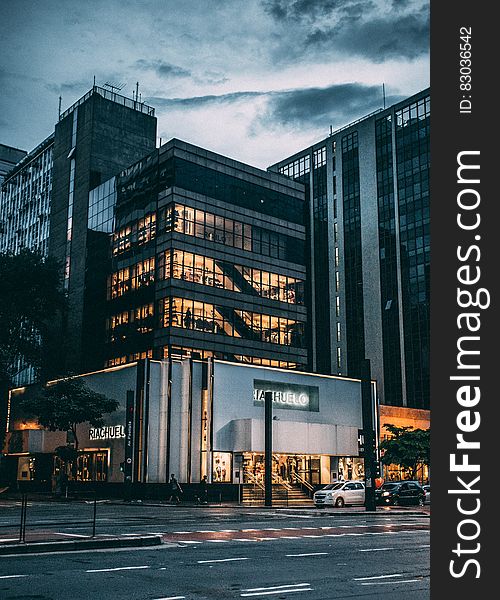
[(383, 92), (60, 101), (94, 80), (331, 129), (114, 87), (137, 91)]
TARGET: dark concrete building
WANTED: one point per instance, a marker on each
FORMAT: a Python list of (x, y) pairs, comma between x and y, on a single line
[(368, 192), (95, 138), (208, 260)]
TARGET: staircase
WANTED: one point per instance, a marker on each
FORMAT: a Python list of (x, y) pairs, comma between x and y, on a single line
[(291, 495)]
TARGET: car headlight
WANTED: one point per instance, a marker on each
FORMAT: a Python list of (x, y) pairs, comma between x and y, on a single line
[(386, 494)]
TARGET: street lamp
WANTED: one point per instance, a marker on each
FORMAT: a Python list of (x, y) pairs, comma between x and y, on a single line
[(268, 448)]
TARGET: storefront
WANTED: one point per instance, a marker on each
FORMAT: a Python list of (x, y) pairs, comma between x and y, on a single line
[(195, 418)]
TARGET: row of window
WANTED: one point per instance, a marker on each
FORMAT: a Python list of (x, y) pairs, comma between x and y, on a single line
[(182, 352), (208, 271), (208, 318), (131, 278)]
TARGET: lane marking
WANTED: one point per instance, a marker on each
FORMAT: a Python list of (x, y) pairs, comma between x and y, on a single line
[(171, 598), (393, 582), (218, 541), (285, 591), (378, 577), (77, 534), (220, 560), (11, 576), (309, 554), (9, 539), (376, 549), (117, 569), (190, 542), (276, 587)]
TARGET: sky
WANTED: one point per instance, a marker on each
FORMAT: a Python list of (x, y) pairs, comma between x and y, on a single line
[(255, 80)]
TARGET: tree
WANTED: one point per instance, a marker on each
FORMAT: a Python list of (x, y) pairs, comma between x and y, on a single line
[(64, 405), (30, 297), (407, 447)]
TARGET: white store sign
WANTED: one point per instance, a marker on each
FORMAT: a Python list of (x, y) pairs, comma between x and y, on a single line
[(110, 432)]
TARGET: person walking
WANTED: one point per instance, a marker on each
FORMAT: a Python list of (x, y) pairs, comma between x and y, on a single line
[(203, 496), (175, 490)]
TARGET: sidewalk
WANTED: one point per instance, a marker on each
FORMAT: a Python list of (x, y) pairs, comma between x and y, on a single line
[(33, 547)]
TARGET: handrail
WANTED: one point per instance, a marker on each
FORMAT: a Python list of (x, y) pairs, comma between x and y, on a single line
[(254, 479), (303, 482), (281, 481)]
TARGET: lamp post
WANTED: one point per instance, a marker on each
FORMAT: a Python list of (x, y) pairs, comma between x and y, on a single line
[(368, 435), (268, 448)]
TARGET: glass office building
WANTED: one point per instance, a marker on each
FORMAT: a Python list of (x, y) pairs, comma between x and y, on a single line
[(368, 188), (206, 259)]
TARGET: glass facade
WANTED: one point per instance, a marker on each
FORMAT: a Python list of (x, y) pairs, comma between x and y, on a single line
[(412, 166), (229, 232), (204, 317), (204, 270), (353, 261), (388, 262)]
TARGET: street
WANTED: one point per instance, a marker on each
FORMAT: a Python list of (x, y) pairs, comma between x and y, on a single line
[(218, 553)]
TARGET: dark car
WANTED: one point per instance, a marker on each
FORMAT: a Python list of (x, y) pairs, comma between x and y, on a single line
[(400, 492)]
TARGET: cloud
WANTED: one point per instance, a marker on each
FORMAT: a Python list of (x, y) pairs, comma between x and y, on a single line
[(70, 87), (371, 29), (200, 101), (163, 69), (311, 108), (402, 36)]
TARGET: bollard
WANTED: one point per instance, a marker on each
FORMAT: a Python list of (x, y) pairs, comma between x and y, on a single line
[(22, 526), (95, 513)]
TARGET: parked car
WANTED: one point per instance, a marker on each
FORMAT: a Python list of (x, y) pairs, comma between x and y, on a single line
[(427, 490), (400, 492), (340, 494)]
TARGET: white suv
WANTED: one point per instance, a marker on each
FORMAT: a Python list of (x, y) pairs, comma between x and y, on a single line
[(339, 494)]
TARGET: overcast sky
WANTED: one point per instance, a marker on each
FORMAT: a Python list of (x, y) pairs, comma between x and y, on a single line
[(256, 80)]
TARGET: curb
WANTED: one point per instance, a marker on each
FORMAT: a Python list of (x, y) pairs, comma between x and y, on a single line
[(75, 545)]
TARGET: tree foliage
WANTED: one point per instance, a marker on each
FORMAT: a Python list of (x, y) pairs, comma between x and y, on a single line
[(67, 403), (407, 447), (30, 296)]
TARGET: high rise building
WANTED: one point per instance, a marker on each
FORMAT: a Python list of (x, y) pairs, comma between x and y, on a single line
[(368, 191), (9, 157), (204, 257), (25, 201), (44, 200)]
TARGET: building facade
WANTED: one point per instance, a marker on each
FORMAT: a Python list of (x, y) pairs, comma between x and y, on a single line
[(9, 157), (206, 259), (25, 201), (368, 190), (196, 418)]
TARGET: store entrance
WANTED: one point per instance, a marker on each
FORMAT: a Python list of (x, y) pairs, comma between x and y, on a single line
[(288, 468)]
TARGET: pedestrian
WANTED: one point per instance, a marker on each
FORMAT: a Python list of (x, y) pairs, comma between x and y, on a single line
[(175, 490), (203, 496)]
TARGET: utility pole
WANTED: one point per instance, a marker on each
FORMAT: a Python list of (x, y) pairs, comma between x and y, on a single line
[(268, 448), (368, 435)]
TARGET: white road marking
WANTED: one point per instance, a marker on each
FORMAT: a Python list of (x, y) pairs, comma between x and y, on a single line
[(8, 539), (278, 589), (389, 582), (11, 576), (171, 598), (182, 532), (72, 534), (190, 542), (117, 569), (275, 592), (218, 541), (376, 549), (378, 577), (309, 554), (220, 560)]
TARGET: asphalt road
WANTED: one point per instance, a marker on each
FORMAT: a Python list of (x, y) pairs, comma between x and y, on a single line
[(224, 553)]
